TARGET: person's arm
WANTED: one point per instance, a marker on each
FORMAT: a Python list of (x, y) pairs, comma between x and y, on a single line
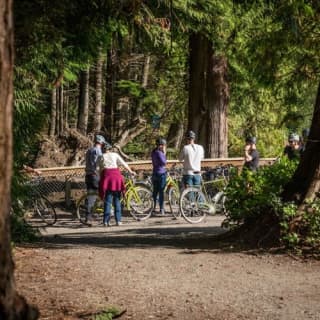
[(121, 162)]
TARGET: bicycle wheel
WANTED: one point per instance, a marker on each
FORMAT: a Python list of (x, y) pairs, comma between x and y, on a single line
[(95, 217), (193, 205), (174, 202), (45, 209), (140, 202)]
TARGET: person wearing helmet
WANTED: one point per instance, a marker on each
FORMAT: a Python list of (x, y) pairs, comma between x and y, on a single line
[(293, 150), (91, 174), (191, 156), (159, 173), (111, 184), (251, 154)]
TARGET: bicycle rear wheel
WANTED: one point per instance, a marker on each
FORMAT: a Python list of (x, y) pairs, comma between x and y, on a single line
[(174, 202), (140, 203), (45, 209), (95, 217), (193, 205)]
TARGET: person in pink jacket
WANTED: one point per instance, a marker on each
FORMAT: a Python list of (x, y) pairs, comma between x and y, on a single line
[(111, 184)]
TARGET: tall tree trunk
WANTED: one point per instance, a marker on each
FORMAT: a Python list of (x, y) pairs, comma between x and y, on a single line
[(305, 183), (198, 64), (97, 119), (208, 96), (83, 110), (217, 101), (175, 135), (53, 115), (61, 110), (12, 306), (109, 108), (146, 70)]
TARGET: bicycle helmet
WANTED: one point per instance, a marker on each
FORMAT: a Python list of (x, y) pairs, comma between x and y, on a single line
[(293, 137), (99, 139), (107, 146), (251, 140), (190, 134), (160, 141)]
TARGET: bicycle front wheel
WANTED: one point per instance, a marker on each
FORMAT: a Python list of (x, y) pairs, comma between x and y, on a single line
[(140, 202), (174, 202), (95, 216), (193, 205), (46, 211)]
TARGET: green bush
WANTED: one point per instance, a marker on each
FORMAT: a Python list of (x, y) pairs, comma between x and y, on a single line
[(252, 193)]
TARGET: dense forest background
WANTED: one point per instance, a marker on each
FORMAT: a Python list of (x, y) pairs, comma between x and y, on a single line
[(134, 70)]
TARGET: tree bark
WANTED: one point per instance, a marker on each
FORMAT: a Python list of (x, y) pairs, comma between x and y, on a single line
[(53, 116), (198, 60), (97, 119), (208, 97), (83, 111), (12, 306), (217, 101), (305, 182)]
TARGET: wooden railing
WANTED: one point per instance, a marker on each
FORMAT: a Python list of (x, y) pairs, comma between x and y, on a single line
[(146, 165)]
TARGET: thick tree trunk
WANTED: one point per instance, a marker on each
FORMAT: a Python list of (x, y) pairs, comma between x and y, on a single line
[(53, 116), (83, 111), (305, 183), (12, 306), (208, 97), (109, 108), (175, 135), (198, 64), (217, 101), (97, 119), (61, 110)]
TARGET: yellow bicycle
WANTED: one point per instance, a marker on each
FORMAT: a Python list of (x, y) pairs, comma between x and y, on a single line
[(137, 200)]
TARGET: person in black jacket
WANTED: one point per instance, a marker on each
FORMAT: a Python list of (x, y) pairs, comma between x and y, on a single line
[(251, 154)]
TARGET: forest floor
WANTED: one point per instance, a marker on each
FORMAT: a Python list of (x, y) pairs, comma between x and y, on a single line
[(162, 269)]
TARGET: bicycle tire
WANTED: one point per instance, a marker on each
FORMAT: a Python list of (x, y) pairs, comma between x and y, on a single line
[(97, 211), (140, 203), (193, 205), (174, 202), (46, 211)]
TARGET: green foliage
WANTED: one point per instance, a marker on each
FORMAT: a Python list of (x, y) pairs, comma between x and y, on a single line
[(20, 230), (107, 314), (253, 193), (307, 231)]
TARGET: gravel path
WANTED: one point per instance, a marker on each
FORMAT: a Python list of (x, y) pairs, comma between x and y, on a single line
[(162, 269)]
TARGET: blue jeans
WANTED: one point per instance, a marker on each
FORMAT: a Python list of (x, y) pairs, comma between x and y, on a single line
[(112, 198), (191, 180), (159, 184)]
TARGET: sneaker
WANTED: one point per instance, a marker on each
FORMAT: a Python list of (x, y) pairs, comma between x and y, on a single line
[(119, 223), (162, 212), (106, 224), (89, 219)]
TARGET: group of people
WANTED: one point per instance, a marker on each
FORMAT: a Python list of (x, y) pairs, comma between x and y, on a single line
[(103, 174), (191, 156)]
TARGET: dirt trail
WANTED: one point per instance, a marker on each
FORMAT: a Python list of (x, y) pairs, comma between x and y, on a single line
[(162, 269)]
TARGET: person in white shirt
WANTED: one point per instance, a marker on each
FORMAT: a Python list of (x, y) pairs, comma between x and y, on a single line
[(191, 155), (111, 184)]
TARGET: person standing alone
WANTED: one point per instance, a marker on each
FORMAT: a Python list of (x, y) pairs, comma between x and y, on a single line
[(191, 155), (251, 154), (159, 173)]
